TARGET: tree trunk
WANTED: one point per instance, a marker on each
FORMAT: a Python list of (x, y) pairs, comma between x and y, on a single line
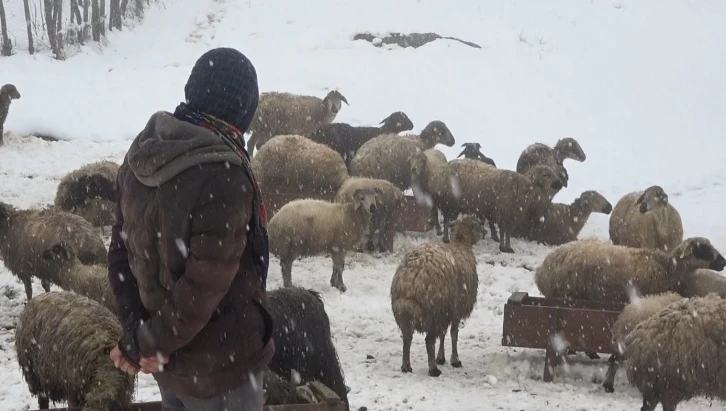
[(76, 16), (28, 24), (139, 9), (86, 25), (58, 18), (114, 20), (124, 6), (6, 46), (49, 22), (102, 22), (95, 20)]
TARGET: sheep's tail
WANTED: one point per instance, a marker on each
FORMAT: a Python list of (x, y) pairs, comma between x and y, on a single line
[(408, 313), (90, 186)]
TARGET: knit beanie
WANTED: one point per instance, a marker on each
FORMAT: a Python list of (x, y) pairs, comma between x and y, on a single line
[(223, 84)]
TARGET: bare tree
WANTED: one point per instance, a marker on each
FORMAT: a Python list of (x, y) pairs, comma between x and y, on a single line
[(102, 23), (86, 25), (114, 19), (50, 24), (28, 23), (76, 17), (58, 28), (6, 46), (95, 20)]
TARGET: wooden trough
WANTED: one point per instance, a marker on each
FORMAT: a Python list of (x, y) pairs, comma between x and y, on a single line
[(156, 406), (411, 216), (535, 322)]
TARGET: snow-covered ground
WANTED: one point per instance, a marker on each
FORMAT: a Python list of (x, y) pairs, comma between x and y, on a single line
[(639, 84)]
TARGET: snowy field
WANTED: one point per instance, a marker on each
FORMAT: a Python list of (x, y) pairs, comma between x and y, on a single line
[(640, 84)]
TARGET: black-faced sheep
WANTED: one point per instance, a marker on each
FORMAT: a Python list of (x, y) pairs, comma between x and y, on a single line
[(595, 270), (62, 342), (472, 151), (26, 234), (90, 192), (291, 114), (308, 227), (295, 164), (8, 93), (632, 315), (542, 154), (384, 218), (87, 280), (646, 219), (435, 287), (562, 223), (303, 340), (702, 283), (347, 139), (388, 157), (678, 353)]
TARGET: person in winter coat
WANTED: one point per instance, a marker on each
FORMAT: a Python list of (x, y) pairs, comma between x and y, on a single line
[(189, 255)]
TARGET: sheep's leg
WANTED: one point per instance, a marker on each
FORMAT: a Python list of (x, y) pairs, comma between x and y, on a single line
[(447, 222), (493, 230), (386, 234), (336, 280), (28, 284), (609, 383), (441, 356), (43, 401), (504, 241), (434, 221), (45, 283), (407, 339), (455, 362), (286, 267), (374, 225), (669, 404), (649, 403), (431, 352)]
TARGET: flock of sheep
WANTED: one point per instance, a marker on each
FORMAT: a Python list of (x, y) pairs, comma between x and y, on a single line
[(359, 175)]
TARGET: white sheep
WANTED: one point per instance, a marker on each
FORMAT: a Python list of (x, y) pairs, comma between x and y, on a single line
[(90, 192)]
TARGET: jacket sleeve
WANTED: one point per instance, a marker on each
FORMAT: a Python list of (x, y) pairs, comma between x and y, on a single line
[(130, 309), (217, 240)]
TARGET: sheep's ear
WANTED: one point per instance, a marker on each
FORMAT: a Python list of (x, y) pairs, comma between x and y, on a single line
[(641, 198)]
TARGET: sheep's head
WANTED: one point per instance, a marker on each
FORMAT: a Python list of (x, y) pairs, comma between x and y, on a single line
[(435, 133), (698, 252), (568, 147), (471, 151), (544, 177), (652, 198), (59, 252), (333, 102), (468, 231), (396, 123), (564, 177), (10, 92), (367, 198), (594, 202)]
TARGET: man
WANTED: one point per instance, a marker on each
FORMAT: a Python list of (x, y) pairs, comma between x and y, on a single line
[(189, 255)]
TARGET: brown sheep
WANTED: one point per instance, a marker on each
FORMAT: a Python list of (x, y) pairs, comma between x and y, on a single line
[(646, 219), (286, 113), (435, 287), (702, 283), (472, 151), (90, 192), (8, 93), (295, 164), (542, 154), (26, 234), (388, 157)]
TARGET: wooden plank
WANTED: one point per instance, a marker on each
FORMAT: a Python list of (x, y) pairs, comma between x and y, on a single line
[(156, 406)]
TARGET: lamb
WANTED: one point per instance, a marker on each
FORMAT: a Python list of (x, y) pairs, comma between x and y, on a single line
[(562, 223), (87, 280), (632, 315), (309, 227), (646, 219), (435, 286), (388, 157), (8, 93), (472, 151), (595, 270), (90, 192), (26, 234), (384, 218), (62, 342), (542, 154), (703, 282), (297, 165), (303, 339), (677, 354), (287, 113), (347, 139)]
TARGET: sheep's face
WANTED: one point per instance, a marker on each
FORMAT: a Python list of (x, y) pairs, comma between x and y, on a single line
[(418, 165), (436, 132), (468, 230), (57, 253), (368, 199), (334, 102), (568, 147), (9, 91), (564, 177), (698, 252), (595, 202), (653, 198), (396, 123), (471, 151), (544, 177)]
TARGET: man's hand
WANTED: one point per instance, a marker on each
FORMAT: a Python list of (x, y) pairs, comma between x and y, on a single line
[(151, 365), (121, 362)]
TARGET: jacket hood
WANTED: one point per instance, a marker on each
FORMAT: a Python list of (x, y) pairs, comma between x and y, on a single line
[(168, 146)]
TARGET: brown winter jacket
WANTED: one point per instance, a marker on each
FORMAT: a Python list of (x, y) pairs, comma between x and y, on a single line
[(179, 261)]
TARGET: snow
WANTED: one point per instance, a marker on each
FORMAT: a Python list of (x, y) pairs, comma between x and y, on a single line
[(639, 84)]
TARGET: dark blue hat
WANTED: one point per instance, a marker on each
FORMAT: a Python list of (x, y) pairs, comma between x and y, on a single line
[(223, 83)]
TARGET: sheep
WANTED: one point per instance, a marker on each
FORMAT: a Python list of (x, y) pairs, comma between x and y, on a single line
[(384, 218), (62, 343), (595, 270), (387, 157), (286, 113), (347, 139), (434, 158), (304, 344), (309, 227), (472, 151), (562, 223), (26, 234), (632, 315), (435, 286), (8, 93), (703, 282), (542, 154), (90, 192), (298, 165), (87, 280), (646, 219), (677, 354)]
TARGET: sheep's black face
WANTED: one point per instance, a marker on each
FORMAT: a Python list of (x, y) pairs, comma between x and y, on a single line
[(643, 208), (10, 91), (718, 264), (608, 208), (556, 185)]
